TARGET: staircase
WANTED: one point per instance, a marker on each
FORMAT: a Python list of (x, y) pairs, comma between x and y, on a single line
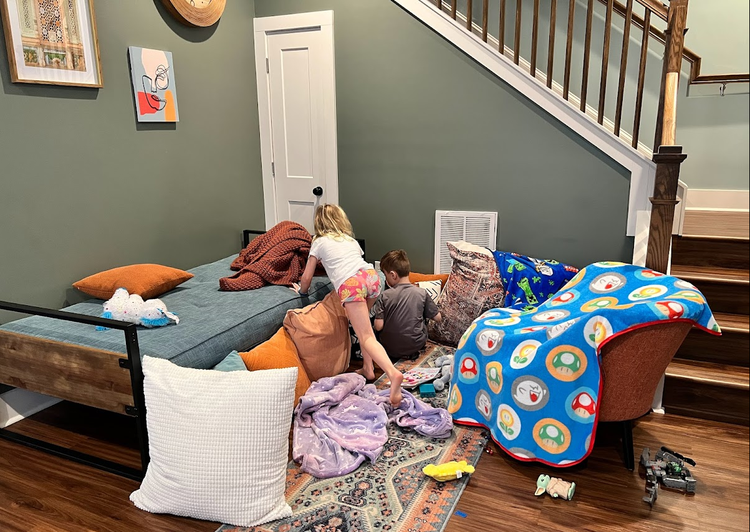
[(709, 377)]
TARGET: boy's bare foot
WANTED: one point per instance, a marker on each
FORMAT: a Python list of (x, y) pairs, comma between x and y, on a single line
[(396, 396), (368, 375)]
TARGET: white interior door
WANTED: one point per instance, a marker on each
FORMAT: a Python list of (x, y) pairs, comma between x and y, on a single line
[(296, 96)]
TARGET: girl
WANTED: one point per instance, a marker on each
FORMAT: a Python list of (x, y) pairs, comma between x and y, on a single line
[(356, 283)]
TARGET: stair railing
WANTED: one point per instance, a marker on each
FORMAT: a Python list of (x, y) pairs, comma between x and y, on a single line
[(666, 154)]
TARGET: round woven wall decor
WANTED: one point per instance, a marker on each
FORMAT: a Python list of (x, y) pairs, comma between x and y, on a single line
[(200, 13)]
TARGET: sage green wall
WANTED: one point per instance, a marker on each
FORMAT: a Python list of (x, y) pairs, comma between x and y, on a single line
[(421, 127), (84, 188), (714, 130)]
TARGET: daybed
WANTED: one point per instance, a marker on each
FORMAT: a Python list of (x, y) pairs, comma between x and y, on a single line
[(75, 362)]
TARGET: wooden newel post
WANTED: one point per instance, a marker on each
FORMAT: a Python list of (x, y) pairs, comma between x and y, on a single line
[(663, 202)]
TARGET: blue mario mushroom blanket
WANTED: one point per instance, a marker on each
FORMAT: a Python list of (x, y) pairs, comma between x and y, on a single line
[(532, 377)]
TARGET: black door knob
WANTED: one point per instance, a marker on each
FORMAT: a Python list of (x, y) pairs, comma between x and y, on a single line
[(318, 191)]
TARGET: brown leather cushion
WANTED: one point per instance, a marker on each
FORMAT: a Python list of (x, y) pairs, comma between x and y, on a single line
[(321, 334)]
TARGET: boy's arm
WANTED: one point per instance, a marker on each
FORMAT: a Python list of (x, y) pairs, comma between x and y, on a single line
[(307, 275), (379, 313), (431, 310)]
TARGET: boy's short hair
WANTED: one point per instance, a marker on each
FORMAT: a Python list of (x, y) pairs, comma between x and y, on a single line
[(396, 261)]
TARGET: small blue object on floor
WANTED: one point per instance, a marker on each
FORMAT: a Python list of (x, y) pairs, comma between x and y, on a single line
[(427, 390), (459, 513)]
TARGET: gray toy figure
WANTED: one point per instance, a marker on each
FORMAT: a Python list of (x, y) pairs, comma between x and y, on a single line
[(669, 468), (445, 363)]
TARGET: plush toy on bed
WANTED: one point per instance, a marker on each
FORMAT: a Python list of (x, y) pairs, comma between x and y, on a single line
[(445, 363), (133, 309)]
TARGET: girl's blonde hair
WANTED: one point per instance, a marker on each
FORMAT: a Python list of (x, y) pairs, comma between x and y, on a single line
[(331, 220)]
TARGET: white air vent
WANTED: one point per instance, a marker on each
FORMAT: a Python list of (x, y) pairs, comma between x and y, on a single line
[(479, 228)]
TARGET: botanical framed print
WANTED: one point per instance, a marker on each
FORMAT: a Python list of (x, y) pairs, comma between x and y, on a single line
[(52, 42), (155, 92)]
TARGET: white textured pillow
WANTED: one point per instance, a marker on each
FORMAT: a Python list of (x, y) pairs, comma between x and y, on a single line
[(431, 287), (218, 441)]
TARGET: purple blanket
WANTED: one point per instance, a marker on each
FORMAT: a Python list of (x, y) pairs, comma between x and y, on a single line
[(340, 422)]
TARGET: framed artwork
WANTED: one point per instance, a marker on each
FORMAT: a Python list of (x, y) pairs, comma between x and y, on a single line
[(52, 42), (154, 87), (200, 13)]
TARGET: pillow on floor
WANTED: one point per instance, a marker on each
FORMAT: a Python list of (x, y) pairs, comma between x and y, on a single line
[(146, 280), (473, 287), (278, 352), (321, 334), (218, 443)]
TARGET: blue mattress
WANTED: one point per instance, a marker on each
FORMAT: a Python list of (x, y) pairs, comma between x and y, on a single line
[(212, 323)]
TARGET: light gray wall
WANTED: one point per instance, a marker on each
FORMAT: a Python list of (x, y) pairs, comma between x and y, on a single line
[(84, 187), (422, 127)]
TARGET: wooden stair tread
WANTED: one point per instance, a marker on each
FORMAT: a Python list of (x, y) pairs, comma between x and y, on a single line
[(737, 323), (711, 273), (709, 373), (712, 238)]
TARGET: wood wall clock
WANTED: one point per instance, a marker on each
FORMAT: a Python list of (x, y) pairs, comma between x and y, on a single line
[(200, 13)]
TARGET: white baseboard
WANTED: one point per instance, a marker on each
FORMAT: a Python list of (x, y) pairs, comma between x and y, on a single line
[(718, 200), (18, 404)]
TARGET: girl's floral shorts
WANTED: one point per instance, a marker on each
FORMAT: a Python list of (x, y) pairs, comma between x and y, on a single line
[(363, 285)]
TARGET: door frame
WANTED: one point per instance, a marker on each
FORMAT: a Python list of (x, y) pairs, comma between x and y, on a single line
[(262, 27)]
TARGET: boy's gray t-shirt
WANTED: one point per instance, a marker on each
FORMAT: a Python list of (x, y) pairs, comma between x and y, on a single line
[(403, 309)]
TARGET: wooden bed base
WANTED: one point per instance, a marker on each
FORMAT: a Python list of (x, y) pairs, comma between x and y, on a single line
[(94, 377)]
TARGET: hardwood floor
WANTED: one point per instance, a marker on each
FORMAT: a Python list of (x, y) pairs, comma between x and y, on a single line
[(41, 493)]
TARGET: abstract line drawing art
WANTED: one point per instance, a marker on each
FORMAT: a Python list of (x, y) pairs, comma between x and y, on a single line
[(152, 73)]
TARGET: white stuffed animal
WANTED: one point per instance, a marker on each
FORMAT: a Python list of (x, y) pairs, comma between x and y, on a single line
[(133, 309), (445, 363)]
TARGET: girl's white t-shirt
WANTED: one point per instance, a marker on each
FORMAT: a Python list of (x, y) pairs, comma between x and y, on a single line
[(341, 257)]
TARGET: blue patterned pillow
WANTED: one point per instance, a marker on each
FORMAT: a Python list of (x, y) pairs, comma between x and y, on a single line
[(530, 282)]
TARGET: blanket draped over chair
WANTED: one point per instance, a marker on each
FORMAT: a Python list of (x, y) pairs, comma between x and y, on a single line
[(533, 377), (276, 257), (340, 422)]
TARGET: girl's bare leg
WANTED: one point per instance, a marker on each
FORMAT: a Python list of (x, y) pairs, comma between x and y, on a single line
[(359, 316)]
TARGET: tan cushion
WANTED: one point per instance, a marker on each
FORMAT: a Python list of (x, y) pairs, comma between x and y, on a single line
[(278, 352), (415, 278), (321, 333), (146, 280)]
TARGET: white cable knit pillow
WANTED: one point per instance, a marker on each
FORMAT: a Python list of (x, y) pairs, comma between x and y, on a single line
[(218, 442)]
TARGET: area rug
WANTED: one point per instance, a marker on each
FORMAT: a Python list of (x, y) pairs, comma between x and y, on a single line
[(390, 495)]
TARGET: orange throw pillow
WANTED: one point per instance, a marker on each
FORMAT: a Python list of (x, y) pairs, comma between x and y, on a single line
[(415, 278), (278, 352), (321, 333), (146, 280)]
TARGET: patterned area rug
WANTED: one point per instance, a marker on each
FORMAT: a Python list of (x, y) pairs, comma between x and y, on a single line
[(390, 495)]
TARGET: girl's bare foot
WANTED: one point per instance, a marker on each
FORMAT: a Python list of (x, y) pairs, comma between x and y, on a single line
[(368, 375), (396, 396)]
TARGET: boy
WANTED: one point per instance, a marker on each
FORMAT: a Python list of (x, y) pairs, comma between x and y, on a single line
[(401, 311)]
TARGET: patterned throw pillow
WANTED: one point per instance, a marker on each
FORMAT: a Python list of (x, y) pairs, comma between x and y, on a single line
[(473, 287), (530, 282), (431, 287)]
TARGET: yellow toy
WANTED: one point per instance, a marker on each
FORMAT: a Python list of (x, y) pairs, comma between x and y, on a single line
[(448, 471)]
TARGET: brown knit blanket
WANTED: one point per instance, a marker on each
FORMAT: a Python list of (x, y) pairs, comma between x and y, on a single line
[(276, 257)]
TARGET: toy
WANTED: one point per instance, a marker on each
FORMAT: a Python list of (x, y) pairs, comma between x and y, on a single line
[(133, 309), (448, 471), (669, 468), (445, 363), (556, 487), (426, 390), (416, 376)]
